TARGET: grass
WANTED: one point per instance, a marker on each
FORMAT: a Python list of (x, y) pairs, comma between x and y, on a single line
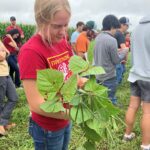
[(19, 139)]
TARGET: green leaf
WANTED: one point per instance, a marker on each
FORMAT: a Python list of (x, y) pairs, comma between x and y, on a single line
[(69, 88), (93, 124), (49, 82), (96, 89), (77, 64), (52, 106), (75, 101), (80, 148), (51, 96), (91, 52), (93, 71), (90, 145), (91, 134), (81, 116), (110, 108)]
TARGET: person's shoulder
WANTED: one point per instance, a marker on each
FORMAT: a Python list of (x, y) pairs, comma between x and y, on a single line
[(118, 33), (110, 39), (107, 36), (34, 43), (74, 33), (82, 36), (9, 27)]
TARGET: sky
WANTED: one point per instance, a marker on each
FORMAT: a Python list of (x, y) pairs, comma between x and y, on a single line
[(82, 10)]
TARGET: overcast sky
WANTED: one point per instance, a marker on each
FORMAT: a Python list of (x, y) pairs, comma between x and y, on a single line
[(81, 10)]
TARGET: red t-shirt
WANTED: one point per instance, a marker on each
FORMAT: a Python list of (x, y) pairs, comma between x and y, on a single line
[(6, 40), (11, 27), (35, 55), (127, 43)]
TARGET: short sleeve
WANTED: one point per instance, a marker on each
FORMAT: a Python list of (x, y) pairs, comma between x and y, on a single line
[(120, 39), (113, 52), (6, 40), (29, 63)]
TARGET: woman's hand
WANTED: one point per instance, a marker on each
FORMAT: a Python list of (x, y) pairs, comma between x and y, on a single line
[(81, 82)]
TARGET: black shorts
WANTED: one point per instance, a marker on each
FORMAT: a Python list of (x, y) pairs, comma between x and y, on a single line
[(141, 89)]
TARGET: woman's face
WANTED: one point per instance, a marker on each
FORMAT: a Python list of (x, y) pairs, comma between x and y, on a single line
[(58, 26)]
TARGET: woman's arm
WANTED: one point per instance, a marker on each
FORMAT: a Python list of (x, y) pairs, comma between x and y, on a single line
[(3, 52), (2, 55), (12, 43), (35, 99)]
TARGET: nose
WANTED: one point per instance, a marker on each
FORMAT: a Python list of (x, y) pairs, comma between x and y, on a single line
[(63, 30)]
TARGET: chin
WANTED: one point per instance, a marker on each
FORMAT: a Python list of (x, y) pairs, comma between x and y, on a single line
[(59, 38)]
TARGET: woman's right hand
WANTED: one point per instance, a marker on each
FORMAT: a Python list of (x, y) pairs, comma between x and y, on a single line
[(81, 82)]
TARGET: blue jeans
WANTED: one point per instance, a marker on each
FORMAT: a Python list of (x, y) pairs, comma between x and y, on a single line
[(7, 89), (111, 84), (120, 70), (49, 140), (13, 64)]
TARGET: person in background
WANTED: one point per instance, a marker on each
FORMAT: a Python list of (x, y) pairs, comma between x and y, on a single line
[(75, 34), (120, 37), (139, 78), (7, 89), (14, 26), (10, 44), (106, 55), (83, 40), (127, 39), (47, 49)]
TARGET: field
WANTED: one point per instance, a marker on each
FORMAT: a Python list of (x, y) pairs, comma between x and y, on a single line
[(18, 138)]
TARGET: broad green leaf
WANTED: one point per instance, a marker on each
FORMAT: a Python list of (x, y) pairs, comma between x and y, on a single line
[(89, 145), (69, 88), (77, 64), (91, 134), (109, 108), (75, 101), (93, 124), (91, 52), (81, 116), (96, 89), (93, 71), (51, 95), (49, 81), (52, 106)]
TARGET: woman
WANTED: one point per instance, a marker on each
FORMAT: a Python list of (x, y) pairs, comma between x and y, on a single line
[(50, 131), (11, 45), (7, 89)]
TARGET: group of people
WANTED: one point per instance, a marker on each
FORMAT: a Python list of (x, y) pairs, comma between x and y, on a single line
[(111, 50), (51, 131), (9, 73)]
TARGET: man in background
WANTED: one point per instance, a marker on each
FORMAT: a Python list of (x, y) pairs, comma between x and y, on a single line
[(15, 26), (83, 40), (106, 55), (120, 37), (75, 34)]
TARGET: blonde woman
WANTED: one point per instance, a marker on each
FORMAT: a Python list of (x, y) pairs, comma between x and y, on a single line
[(50, 131)]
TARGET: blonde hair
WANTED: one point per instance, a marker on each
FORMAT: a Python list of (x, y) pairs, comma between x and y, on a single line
[(44, 12)]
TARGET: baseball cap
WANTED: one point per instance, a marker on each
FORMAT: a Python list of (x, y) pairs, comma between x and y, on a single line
[(91, 25), (12, 18), (124, 20)]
